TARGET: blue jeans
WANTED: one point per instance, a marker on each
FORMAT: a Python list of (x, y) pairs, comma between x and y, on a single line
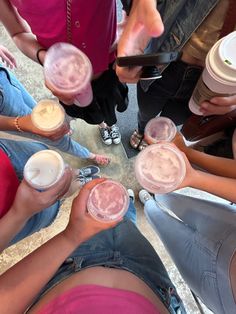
[(168, 96), (122, 247), (201, 242), (16, 101), (19, 152)]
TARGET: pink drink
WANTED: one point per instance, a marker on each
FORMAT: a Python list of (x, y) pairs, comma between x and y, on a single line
[(160, 168), (108, 201), (68, 71), (159, 129)]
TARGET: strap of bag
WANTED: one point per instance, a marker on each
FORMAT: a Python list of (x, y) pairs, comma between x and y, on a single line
[(68, 21), (230, 19)]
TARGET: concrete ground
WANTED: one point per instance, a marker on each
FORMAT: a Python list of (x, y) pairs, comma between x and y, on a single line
[(121, 169)]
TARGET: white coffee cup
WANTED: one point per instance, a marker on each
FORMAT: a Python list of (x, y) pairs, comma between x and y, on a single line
[(48, 115), (218, 78)]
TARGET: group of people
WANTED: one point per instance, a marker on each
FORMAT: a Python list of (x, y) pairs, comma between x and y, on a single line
[(112, 267)]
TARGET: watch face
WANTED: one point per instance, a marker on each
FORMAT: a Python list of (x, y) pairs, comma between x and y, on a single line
[(150, 73)]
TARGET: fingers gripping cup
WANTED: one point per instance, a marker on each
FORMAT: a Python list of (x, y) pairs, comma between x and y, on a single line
[(219, 75), (160, 168), (159, 129), (48, 115), (68, 71), (108, 201)]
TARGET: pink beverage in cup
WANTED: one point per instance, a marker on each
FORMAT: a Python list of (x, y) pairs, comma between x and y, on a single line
[(159, 129), (160, 168), (48, 115), (218, 78), (108, 201), (68, 71)]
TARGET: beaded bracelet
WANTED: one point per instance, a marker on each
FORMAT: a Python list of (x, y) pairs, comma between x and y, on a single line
[(37, 55), (16, 123)]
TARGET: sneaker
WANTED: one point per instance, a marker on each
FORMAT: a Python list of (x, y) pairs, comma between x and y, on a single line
[(115, 134), (88, 171), (106, 137), (144, 196), (84, 180), (131, 195)]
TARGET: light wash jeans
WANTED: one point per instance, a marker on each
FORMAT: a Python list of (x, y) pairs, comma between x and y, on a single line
[(16, 101), (201, 242), (19, 152)]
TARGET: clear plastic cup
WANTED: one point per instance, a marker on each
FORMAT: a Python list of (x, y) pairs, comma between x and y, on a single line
[(68, 71), (48, 115), (108, 201), (44, 170), (160, 168), (159, 129)]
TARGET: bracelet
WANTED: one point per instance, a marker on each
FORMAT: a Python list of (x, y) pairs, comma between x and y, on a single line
[(37, 55), (16, 123)]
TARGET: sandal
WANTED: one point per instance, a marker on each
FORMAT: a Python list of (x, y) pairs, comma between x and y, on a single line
[(135, 139), (143, 144)]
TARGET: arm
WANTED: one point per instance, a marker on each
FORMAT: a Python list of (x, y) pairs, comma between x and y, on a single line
[(19, 285), (28, 202), (216, 165), (20, 31), (144, 22)]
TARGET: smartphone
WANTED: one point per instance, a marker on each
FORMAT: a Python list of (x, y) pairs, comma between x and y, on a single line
[(148, 59)]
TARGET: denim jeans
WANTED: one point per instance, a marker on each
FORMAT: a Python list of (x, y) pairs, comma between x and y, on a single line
[(168, 96), (16, 101), (19, 152), (201, 239)]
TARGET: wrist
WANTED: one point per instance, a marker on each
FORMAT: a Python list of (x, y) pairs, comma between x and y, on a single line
[(74, 238), (40, 55)]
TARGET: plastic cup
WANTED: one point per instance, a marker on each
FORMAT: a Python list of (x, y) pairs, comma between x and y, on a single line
[(159, 129), (68, 71), (218, 78), (108, 201), (48, 115), (160, 168)]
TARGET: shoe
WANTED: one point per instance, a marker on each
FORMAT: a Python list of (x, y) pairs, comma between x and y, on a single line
[(115, 134), (144, 196), (84, 180), (88, 171), (105, 134), (131, 195)]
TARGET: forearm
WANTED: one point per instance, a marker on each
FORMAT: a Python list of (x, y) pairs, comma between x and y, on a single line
[(7, 124), (219, 186), (217, 165), (23, 282)]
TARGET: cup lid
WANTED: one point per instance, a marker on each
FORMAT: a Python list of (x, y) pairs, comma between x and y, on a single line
[(160, 129), (227, 51), (108, 201), (48, 115), (43, 169), (67, 68), (160, 168)]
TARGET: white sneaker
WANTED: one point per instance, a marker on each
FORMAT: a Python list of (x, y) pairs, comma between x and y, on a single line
[(115, 134), (144, 196), (131, 195), (105, 135)]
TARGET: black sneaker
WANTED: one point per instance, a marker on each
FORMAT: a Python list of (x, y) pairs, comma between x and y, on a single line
[(88, 171), (84, 180), (115, 134), (105, 135)]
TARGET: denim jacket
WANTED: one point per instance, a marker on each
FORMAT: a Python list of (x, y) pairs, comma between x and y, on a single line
[(181, 18)]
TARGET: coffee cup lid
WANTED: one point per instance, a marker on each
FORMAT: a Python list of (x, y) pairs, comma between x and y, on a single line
[(227, 51)]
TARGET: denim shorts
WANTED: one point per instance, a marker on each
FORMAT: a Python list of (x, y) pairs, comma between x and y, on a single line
[(122, 247)]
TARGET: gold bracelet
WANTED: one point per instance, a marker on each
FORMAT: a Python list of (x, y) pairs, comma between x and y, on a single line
[(16, 123)]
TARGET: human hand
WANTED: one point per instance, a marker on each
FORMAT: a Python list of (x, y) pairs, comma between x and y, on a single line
[(7, 57), (26, 125), (190, 175), (179, 142), (218, 105), (144, 22), (28, 201), (81, 225)]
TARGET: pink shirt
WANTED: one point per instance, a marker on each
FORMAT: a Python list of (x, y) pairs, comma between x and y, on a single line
[(92, 299), (93, 25)]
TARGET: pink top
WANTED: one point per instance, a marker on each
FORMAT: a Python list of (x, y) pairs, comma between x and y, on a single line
[(92, 299), (93, 26)]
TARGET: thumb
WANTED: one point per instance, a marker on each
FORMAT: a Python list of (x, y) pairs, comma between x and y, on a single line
[(152, 20)]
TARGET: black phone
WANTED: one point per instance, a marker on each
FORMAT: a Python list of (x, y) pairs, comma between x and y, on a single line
[(149, 62)]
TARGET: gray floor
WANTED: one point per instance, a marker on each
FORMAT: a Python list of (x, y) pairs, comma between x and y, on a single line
[(121, 169)]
